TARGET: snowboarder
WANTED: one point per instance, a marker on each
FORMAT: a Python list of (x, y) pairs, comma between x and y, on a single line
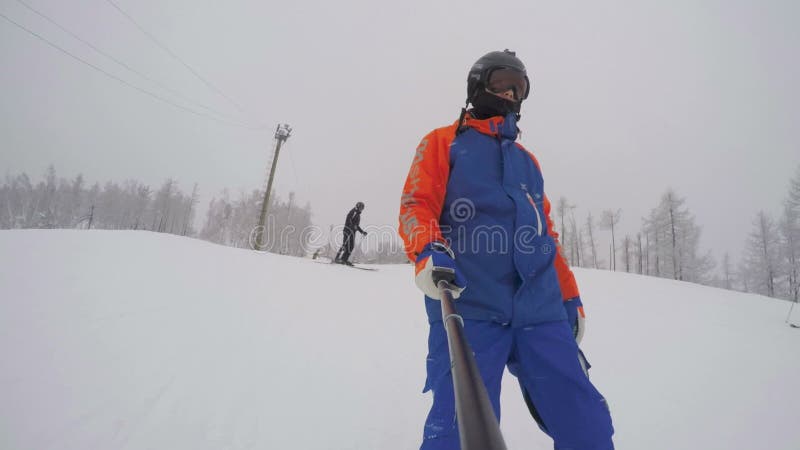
[(351, 225), (474, 202)]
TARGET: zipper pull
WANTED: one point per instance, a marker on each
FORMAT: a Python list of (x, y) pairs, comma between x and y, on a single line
[(536, 210)]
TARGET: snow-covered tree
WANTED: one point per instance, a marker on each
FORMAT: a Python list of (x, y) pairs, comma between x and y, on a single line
[(235, 223), (20, 202), (761, 256), (47, 200), (73, 202), (673, 242), (217, 224), (790, 239), (191, 206), (163, 206)]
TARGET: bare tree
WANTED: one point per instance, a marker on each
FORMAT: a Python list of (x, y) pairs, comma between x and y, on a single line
[(626, 253), (576, 245), (590, 235), (567, 238), (609, 220), (727, 272), (562, 208), (639, 254)]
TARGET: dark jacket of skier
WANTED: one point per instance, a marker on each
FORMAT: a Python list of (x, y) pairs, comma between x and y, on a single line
[(351, 225), (354, 220)]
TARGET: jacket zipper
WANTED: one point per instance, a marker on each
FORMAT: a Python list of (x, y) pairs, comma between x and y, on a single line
[(538, 217)]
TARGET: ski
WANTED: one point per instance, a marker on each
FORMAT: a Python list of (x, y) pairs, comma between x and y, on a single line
[(372, 269), (352, 266)]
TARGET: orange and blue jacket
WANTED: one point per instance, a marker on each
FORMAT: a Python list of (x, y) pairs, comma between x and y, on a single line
[(482, 193)]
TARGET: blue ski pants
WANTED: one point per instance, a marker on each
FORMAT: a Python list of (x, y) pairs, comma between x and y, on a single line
[(550, 368)]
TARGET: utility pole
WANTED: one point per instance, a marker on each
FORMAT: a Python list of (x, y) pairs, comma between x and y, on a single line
[(282, 133)]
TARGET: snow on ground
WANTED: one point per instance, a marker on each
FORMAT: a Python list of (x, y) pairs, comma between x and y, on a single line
[(136, 340)]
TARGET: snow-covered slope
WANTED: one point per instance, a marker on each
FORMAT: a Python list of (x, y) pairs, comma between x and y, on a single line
[(135, 340)]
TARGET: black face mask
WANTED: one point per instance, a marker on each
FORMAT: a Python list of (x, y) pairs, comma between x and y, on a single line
[(486, 105)]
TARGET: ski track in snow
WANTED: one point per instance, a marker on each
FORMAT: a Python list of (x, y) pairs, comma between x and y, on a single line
[(137, 340)]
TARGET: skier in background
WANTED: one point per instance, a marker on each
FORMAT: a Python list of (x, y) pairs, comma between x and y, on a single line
[(474, 203), (351, 225)]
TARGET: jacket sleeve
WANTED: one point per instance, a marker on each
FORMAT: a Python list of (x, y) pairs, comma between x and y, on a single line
[(424, 192), (566, 279)]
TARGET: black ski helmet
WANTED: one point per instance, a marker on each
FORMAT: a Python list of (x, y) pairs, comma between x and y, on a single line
[(483, 67), (360, 206)]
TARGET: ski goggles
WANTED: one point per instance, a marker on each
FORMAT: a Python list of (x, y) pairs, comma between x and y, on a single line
[(503, 80)]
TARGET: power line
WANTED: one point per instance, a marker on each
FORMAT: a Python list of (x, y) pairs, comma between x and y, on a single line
[(123, 64), (132, 86), (176, 57)]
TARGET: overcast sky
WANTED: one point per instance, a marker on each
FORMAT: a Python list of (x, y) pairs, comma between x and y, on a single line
[(629, 97)]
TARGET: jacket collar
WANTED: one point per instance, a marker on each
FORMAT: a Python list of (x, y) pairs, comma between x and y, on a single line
[(497, 126)]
